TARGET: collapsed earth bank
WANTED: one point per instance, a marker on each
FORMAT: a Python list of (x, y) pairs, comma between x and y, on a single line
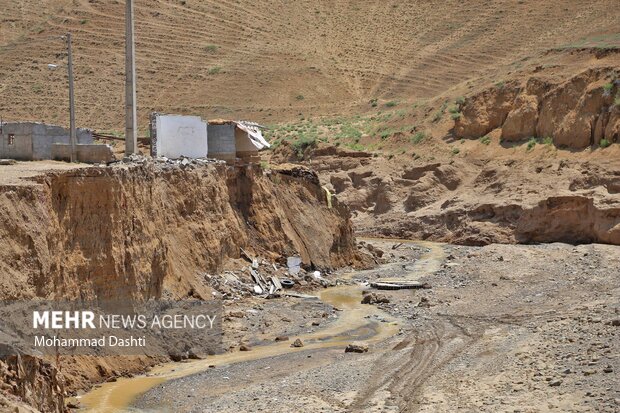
[(151, 230)]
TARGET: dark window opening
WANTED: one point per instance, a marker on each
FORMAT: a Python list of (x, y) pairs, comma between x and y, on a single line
[(11, 140)]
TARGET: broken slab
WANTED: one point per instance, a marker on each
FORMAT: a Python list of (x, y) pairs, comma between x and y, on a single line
[(398, 284)]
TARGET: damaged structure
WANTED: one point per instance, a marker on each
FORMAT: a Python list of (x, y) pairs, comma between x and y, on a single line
[(230, 140), (174, 136), (33, 141)]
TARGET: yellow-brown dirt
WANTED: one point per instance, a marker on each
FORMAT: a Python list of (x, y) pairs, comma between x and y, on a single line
[(272, 60)]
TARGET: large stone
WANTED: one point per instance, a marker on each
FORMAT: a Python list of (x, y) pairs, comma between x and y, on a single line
[(356, 347)]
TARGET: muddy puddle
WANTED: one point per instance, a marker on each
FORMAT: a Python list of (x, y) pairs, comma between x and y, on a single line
[(355, 321)]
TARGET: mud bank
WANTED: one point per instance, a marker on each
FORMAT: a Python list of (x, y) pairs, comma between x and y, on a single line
[(139, 231), (551, 197)]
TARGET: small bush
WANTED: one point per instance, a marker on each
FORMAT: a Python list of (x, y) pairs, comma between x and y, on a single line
[(373, 103), (210, 48), (460, 100), (302, 143), (83, 21), (215, 70), (531, 143), (391, 103), (485, 140), (438, 115), (617, 100), (418, 137), (547, 140), (300, 97), (455, 116), (454, 109), (604, 143), (607, 87), (455, 151)]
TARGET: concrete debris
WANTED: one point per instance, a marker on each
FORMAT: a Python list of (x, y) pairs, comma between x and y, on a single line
[(258, 290), (294, 265), (8, 161), (398, 285)]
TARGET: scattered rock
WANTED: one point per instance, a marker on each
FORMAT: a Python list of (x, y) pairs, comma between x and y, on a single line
[(297, 343), (245, 347), (282, 338), (373, 298), (356, 347)]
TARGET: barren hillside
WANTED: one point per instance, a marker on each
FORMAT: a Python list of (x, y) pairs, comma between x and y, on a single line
[(275, 60)]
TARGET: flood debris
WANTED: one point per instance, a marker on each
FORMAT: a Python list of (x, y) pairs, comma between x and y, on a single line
[(373, 298), (398, 285), (294, 265), (356, 347)]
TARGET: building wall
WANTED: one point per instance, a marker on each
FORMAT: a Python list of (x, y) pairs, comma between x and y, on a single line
[(33, 141), (178, 135), (222, 142), (243, 143), (89, 153)]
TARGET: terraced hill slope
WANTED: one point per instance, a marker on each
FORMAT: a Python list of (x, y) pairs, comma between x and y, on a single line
[(274, 60)]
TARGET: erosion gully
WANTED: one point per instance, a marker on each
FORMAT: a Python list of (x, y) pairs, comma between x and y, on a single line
[(356, 321)]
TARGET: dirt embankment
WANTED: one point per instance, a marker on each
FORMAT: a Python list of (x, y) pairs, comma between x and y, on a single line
[(579, 112), (153, 231), (545, 198)]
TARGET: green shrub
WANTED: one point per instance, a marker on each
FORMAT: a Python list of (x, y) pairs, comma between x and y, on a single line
[(454, 109), (617, 100), (547, 140), (531, 143), (215, 70), (440, 112), (604, 143), (485, 140), (210, 48), (460, 100), (455, 116), (418, 137), (373, 103), (607, 87), (455, 151), (391, 103), (299, 97), (303, 142)]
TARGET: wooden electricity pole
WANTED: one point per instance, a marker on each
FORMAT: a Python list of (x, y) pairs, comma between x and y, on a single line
[(131, 121), (72, 131)]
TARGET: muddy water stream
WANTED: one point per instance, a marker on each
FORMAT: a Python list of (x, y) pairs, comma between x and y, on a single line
[(356, 321)]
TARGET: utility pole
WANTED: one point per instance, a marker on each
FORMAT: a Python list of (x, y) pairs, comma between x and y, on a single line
[(131, 121), (72, 136)]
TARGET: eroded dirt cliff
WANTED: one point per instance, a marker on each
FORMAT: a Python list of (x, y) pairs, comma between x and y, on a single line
[(150, 230), (575, 113), (548, 196)]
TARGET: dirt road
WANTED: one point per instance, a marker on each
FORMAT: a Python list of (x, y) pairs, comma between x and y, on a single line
[(503, 328)]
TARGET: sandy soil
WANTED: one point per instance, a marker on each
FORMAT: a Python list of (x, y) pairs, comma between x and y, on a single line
[(503, 328), (272, 60)]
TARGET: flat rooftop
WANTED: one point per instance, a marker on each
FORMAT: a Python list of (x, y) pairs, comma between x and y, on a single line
[(19, 173)]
